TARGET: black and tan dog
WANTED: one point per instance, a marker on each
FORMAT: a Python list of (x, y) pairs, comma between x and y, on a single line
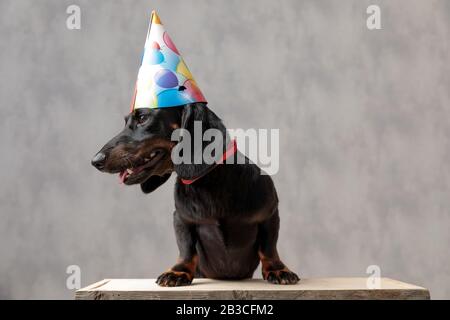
[(225, 222)]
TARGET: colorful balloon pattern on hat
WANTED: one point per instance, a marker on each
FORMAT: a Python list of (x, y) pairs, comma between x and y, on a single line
[(164, 79)]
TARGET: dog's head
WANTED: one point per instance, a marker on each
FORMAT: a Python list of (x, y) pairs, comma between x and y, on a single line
[(141, 152)]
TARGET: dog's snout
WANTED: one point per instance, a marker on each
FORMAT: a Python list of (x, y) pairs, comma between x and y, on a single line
[(99, 160)]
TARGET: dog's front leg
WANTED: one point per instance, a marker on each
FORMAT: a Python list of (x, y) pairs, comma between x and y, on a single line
[(182, 273), (273, 269)]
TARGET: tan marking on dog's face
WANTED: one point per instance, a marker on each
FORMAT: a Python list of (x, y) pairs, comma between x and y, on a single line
[(132, 155)]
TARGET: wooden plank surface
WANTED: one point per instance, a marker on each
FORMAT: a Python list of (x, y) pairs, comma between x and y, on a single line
[(317, 288)]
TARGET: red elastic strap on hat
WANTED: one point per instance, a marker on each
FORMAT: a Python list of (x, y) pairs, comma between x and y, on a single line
[(231, 150), (133, 99)]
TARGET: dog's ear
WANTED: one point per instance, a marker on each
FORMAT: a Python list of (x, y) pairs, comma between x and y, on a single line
[(152, 183), (192, 114)]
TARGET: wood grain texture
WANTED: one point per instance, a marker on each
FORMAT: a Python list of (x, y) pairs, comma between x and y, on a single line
[(317, 288)]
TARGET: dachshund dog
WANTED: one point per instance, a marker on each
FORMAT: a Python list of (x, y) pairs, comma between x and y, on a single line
[(226, 219)]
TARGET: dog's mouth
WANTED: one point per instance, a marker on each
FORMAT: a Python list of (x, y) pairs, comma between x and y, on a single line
[(141, 172)]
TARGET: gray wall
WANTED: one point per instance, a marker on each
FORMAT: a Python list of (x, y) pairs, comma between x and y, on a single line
[(363, 115)]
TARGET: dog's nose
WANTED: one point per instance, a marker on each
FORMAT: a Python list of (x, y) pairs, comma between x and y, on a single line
[(99, 160)]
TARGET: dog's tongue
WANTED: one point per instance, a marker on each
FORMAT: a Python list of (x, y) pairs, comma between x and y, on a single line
[(122, 176)]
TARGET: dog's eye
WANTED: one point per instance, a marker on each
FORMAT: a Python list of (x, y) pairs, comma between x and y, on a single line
[(142, 118)]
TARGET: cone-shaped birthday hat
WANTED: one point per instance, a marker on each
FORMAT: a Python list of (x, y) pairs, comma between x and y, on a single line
[(164, 80)]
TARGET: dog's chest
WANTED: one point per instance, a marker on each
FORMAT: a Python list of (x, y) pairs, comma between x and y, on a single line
[(206, 207), (228, 235)]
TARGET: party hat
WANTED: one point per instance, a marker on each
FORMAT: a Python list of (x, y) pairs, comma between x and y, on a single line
[(164, 79)]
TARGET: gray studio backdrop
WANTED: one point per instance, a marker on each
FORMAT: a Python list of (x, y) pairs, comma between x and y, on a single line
[(363, 115)]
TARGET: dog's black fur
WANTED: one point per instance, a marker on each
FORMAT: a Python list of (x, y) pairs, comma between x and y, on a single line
[(226, 222)]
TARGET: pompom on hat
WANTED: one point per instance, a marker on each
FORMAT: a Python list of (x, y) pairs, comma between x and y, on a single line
[(164, 79)]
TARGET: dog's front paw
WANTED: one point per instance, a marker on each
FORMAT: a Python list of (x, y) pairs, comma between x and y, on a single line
[(283, 276), (174, 279)]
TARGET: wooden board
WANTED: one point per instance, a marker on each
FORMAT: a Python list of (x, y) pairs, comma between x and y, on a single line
[(317, 288)]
